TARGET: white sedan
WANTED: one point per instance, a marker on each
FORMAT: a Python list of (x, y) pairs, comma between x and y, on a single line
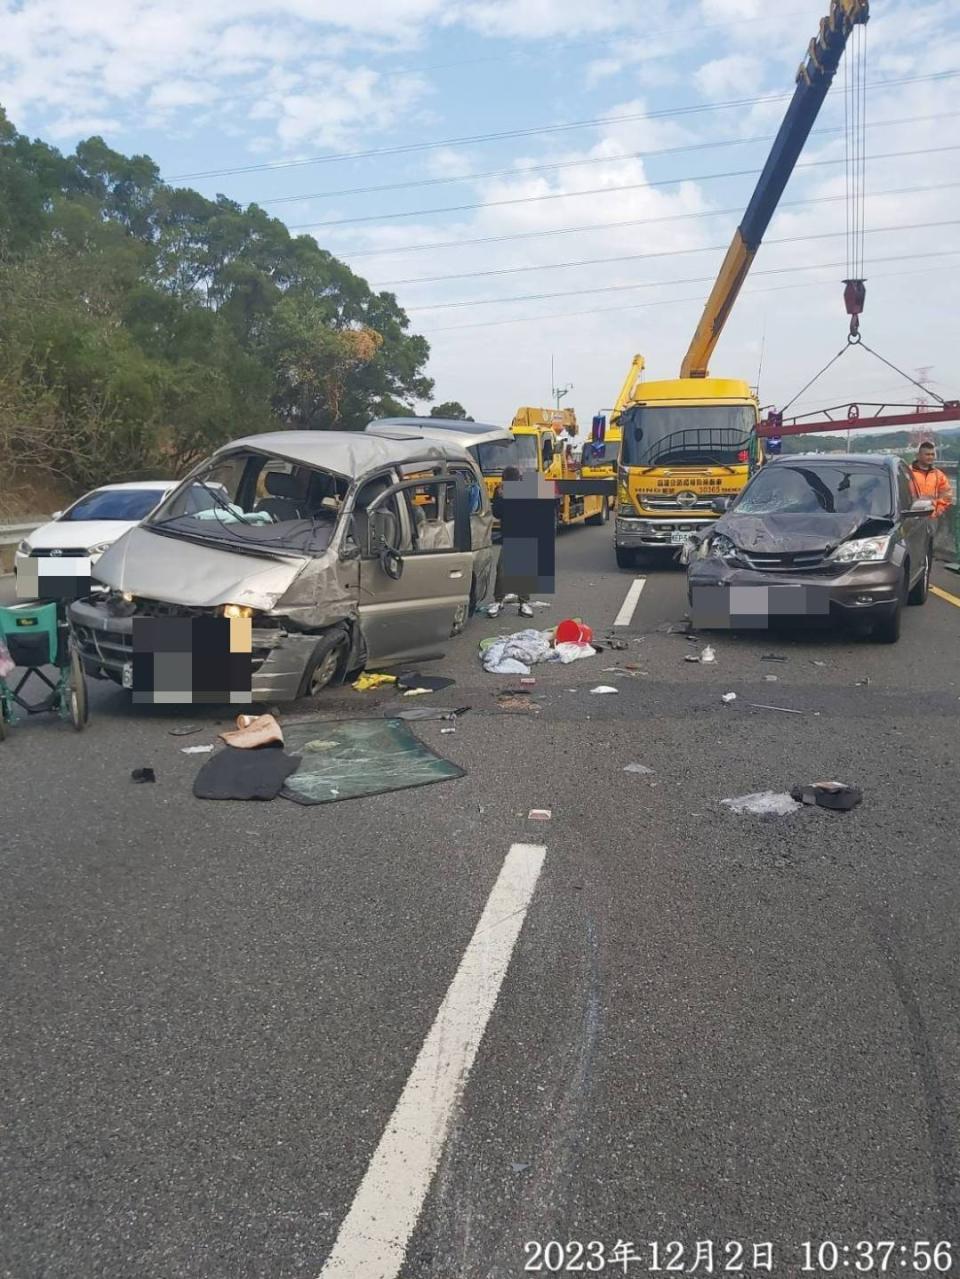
[(94, 522)]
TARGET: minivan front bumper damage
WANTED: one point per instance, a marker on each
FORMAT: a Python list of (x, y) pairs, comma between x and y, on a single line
[(280, 655)]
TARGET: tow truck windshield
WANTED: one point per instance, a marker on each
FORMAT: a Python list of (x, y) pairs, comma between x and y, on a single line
[(698, 434), (494, 455), (526, 452)]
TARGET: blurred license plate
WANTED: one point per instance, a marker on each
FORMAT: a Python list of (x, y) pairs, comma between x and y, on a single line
[(127, 677), (680, 539)]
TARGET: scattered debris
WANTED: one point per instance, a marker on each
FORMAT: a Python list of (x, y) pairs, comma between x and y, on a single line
[(196, 750), (427, 712), (771, 679), (638, 768), (186, 730), (528, 681), (862, 683), (540, 814), (765, 803), (693, 639), (448, 730), (539, 603), (772, 657), (618, 645), (787, 710), (414, 682), (835, 795), (241, 773), (708, 655), (370, 679), (604, 688), (728, 697), (572, 631), (692, 657), (253, 731), (143, 775), (519, 1167), (816, 663), (415, 692), (518, 703)]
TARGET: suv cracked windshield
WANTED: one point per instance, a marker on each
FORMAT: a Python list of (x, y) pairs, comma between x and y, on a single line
[(256, 500), (805, 490), (656, 436)]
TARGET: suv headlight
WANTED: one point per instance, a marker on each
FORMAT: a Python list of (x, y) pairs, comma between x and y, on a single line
[(720, 544), (862, 548)]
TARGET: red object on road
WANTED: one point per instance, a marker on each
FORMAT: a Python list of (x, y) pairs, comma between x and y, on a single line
[(571, 632)]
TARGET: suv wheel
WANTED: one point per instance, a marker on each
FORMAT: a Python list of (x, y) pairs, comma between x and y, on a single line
[(888, 631), (921, 590)]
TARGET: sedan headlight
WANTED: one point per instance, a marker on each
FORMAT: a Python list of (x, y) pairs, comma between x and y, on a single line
[(723, 546), (862, 548)]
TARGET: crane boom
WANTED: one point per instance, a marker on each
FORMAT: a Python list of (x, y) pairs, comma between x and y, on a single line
[(813, 80)]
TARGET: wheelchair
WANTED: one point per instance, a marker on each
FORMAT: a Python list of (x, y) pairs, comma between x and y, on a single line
[(34, 637)]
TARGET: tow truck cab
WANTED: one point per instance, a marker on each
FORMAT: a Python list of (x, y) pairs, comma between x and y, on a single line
[(685, 443)]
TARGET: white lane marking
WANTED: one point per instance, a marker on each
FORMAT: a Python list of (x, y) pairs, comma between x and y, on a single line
[(373, 1238), (625, 616)]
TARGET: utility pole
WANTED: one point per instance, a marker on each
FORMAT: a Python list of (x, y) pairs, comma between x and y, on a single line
[(558, 392)]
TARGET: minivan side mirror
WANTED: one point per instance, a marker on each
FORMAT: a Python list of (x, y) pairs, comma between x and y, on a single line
[(922, 506), (56, 515), (391, 561), (721, 504)]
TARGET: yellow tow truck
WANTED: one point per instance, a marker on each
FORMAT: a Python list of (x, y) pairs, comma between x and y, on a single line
[(544, 442), (687, 442)]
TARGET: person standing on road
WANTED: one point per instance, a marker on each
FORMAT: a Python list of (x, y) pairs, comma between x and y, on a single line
[(497, 505), (930, 481)]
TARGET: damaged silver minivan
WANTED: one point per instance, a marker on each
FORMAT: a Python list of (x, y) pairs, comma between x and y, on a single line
[(343, 549)]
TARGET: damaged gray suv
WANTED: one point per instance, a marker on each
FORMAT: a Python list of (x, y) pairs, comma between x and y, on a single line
[(820, 538), (333, 549)]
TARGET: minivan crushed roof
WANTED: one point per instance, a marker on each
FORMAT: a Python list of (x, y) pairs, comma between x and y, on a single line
[(349, 453)]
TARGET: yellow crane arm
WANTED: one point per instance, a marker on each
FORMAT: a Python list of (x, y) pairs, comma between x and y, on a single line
[(813, 80)]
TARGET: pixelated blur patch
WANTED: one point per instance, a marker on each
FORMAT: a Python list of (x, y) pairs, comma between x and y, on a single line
[(187, 660), (528, 526), (51, 577), (751, 607)]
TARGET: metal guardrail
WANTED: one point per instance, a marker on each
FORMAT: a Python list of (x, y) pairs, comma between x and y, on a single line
[(11, 534)]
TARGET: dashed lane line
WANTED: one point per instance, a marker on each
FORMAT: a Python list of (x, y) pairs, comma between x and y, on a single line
[(373, 1238), (625, 616)]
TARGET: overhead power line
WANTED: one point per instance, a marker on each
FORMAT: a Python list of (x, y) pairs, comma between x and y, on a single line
[(647, 284), (397, 250), (659, 302), (661, 253), (473, 139), (578, 164), (627, 186)]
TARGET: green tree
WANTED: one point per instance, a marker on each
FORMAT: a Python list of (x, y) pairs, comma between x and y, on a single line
[(451, 409)]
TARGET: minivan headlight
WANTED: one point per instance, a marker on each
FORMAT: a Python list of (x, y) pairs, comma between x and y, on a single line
[(862, 548), (24, 548), (237, 610)]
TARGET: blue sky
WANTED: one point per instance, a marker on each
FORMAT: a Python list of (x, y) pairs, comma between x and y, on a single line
[(300, 85)]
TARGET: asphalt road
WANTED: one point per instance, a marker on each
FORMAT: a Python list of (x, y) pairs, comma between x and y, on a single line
[(711, 1027)]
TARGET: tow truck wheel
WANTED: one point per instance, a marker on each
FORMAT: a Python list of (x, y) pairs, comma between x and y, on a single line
[(601, 517)]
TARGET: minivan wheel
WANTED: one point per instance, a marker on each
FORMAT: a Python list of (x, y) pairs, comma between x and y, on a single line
[(326, 663), (919, 593)]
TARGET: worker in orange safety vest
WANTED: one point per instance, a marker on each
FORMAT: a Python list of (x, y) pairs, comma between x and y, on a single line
[(930, 481)]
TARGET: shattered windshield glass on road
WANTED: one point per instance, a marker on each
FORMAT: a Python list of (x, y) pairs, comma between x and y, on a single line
[(257, 500), (803, 489)]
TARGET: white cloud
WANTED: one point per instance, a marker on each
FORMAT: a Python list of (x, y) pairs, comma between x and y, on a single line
[(736, 75)]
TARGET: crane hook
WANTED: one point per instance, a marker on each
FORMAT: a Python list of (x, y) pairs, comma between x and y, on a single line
[(854, 297)]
